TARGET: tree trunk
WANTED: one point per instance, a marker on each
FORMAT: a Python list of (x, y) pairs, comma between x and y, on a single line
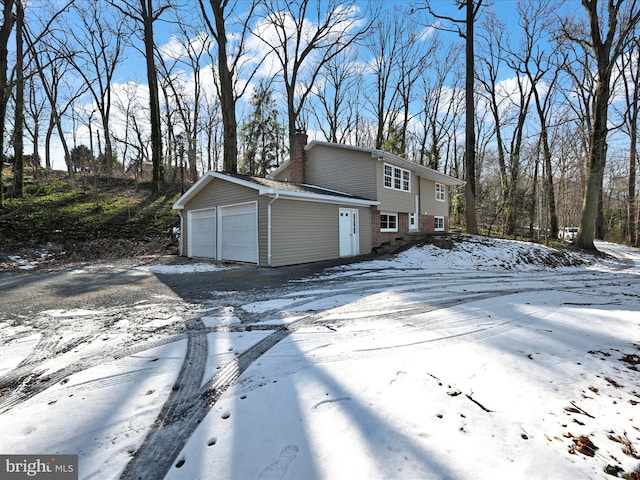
[(5, 33), (471, 219), (154, 100), (227, 98), (595, 167), (18, 133), (632, 208)]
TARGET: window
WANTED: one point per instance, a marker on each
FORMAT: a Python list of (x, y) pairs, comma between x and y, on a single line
[(440, 192), (438, 224), (397, 178), (388, 222)]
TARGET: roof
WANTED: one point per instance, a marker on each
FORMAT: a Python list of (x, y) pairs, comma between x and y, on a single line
[(274, 188), (421, 170)]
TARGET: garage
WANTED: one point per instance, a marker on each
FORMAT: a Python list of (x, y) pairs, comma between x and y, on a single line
[(237, 218), (202, 240), (238, 226)]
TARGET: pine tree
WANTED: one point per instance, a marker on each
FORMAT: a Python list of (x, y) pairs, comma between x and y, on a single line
[(261, 135)]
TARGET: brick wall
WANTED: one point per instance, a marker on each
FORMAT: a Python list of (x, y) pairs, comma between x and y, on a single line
[(296, 157), (378, 237)]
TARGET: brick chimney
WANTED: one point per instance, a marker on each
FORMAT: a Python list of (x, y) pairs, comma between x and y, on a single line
[(296, 156)]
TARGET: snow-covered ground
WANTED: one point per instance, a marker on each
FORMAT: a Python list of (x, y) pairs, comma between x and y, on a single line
[(496, 359)]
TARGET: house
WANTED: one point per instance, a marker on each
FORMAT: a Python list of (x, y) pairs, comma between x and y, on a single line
[(327, 201)]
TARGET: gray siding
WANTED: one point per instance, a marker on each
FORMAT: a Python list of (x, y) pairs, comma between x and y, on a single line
[(428, 203), (364, 214), (284, 175), (303, 232), (309, 232), (343, 170), (395, 200)]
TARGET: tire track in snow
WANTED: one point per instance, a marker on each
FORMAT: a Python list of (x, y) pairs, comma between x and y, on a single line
[(183, 412)]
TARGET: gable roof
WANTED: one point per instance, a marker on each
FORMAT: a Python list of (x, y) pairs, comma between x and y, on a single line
[(421, 170), (274, 188)]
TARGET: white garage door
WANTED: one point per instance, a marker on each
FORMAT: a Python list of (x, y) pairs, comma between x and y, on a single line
[(202, 233), (239, 232)]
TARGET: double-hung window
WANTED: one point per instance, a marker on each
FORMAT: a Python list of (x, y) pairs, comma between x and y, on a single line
[(388, 222), (440, 195), (397, 178)]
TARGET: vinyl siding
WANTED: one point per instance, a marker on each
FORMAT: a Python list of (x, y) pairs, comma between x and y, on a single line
[(284, 175), (428, 203), (395, 200), (342, 170), (305, 232)]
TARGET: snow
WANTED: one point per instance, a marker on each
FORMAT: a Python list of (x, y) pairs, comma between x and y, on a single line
[(189, 268), (491, 360)]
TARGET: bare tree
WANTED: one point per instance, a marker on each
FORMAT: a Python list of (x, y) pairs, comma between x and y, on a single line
[(94, 48), (336, 96), (509, 109), (231, 58), (18, 132), (385, 44), (630, 70), (5, 32), (52, 70), (472, 9), (182, 76), (441, 104), (145, 13), (303, 46), (541, 67), (607, 36)]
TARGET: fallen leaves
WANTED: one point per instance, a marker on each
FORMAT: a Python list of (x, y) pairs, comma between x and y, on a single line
[(583, 445), (627, 446)]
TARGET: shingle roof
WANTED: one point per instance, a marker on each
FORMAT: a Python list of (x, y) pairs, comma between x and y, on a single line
[(292, 187), (267, 186)]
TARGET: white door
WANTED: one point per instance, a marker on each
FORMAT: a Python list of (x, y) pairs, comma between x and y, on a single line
[(202, 233), (349, 232), (238, 232)]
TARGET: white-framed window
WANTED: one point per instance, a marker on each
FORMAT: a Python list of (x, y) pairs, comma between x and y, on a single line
[(440, 192), (388, 222), (438, 225), (397, 178)]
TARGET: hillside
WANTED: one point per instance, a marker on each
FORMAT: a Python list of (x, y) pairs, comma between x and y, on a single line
[(94, 218)]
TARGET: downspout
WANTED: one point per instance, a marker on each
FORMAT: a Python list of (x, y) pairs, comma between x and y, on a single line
[(269, 228)]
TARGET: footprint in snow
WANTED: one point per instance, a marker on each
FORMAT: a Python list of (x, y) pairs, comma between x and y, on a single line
[(278, 469)]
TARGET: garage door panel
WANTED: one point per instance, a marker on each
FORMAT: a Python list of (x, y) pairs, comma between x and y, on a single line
[(202, 233), (239, 233)]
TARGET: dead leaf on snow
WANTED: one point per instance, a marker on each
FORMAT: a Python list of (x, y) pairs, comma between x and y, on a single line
[(584, 446), (613, 382)]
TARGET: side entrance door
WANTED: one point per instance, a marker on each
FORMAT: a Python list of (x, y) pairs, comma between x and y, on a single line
[(349, 232)]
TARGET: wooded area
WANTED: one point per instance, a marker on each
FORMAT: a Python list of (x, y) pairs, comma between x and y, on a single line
[(544, 129)]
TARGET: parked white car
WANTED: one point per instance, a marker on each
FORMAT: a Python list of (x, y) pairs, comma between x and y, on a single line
[(568, 234)]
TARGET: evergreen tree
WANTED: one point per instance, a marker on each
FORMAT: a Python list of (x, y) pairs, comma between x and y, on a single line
[(261, 135)]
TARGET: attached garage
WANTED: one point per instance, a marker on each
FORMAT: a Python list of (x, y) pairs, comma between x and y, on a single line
[(235, 217)]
